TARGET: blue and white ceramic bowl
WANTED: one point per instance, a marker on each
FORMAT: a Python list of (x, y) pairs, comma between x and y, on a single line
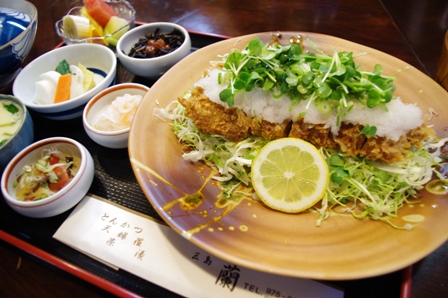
[(22, 137), (18, 24), (99, 59)]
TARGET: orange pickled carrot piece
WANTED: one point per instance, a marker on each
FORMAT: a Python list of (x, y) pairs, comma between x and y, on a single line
[(63, 88)]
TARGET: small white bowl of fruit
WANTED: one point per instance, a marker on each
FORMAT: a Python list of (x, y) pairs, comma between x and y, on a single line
[(58, 84), (98, 21)]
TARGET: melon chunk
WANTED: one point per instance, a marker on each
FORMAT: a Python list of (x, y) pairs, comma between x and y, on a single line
[(99, 11), (116, 27)]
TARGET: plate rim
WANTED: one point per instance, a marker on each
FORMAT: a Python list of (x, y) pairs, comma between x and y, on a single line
[(281, 271)]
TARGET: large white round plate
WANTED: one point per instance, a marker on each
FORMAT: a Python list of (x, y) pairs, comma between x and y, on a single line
[(251, 235)]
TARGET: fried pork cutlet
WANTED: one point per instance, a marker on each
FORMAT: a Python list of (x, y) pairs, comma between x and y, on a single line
[(350, 141), (232, 123), (212, 118), (235, 125)]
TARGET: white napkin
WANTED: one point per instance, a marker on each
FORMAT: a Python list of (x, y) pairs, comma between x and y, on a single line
[(153, 251)]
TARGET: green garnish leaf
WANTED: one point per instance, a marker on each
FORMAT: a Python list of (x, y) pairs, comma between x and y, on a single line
[(368, 131), (268, 84), (337, 160), (227, 96), (63, 67), (255, 47), (239, 84), (3, 142), (303, 75), (339, 175), (12, 108), (324, 90), (378, 69)]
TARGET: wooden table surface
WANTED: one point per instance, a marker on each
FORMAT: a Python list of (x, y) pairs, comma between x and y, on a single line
[(410, 30)]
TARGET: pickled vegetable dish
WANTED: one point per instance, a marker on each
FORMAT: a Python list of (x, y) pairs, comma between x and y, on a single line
[(46, 176)]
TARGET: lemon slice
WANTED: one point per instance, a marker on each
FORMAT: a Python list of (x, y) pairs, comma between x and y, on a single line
[(289, 175)]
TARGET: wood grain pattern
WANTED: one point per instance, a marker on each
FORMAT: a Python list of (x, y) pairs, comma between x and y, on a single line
[(442, 66)]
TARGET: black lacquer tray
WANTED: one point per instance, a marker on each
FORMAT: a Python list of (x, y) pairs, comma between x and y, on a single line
[(115, 181)]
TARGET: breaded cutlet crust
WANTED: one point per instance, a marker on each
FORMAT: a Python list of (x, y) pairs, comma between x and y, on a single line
[(233, 124)]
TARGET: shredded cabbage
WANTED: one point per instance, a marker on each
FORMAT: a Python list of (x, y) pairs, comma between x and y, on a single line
[(373, 189), (363, 188), (230, 159)]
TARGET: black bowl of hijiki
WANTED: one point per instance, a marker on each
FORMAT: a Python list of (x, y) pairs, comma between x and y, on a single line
[(151, 49)]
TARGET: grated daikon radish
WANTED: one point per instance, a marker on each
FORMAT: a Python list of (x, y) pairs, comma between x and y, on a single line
[(119, 114)]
